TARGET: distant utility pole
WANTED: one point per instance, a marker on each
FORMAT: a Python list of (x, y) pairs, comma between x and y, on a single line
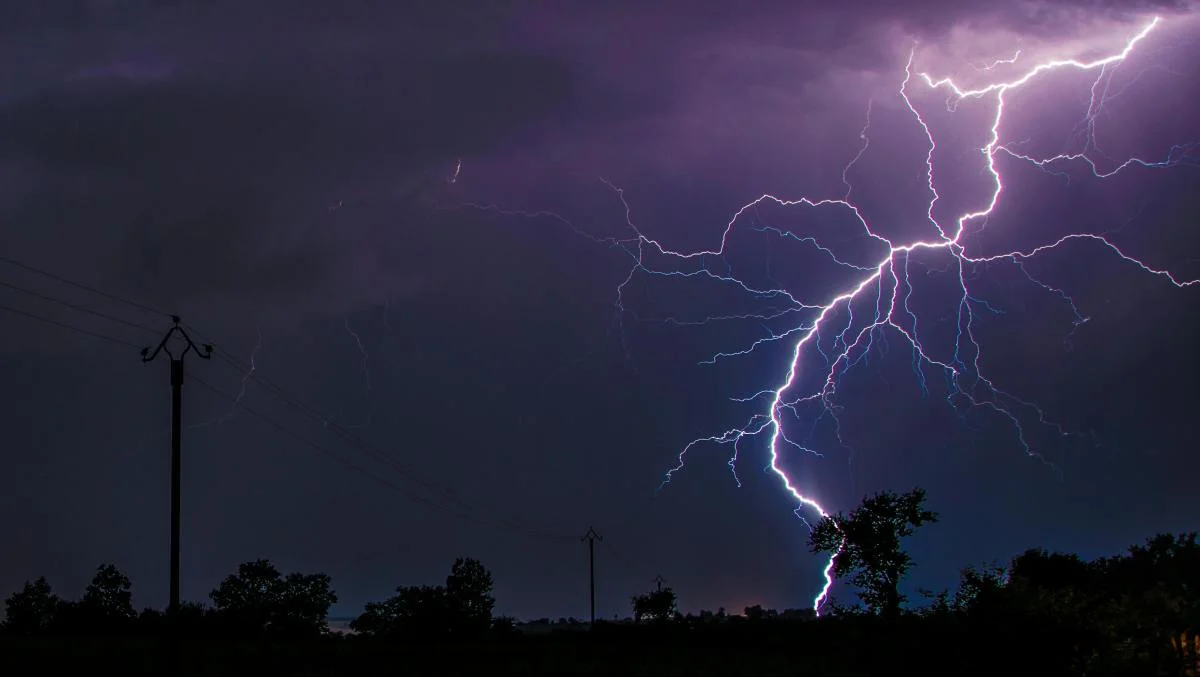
[(176, 435), (658, 583), (591, 537)]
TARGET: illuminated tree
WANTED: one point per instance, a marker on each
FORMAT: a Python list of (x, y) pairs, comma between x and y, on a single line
[(866, 545)]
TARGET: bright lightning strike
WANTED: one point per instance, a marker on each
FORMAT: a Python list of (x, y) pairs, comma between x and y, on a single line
[(836, 327), (889, 277)]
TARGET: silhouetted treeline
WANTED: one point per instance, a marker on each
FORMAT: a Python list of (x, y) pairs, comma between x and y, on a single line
[(257, 600), (1136, 613)]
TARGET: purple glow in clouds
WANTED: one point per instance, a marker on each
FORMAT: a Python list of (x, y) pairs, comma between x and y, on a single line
[(889, 281)]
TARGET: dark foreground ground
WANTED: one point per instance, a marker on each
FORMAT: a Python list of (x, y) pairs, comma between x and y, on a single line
[(532, 659), (802, 649)]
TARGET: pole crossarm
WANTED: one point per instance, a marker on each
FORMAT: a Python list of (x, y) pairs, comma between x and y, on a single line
[(190, 347)]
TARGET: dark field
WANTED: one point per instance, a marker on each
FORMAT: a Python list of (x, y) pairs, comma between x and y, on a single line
[(805, 648)]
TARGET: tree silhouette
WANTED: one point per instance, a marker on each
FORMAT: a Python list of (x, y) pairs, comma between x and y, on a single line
[(866, 545), (468, 593), (657, 605), (107, 603), (31, 610), (980, 588), (417, 610), (460, 608), (1157, 601), (258, 599)]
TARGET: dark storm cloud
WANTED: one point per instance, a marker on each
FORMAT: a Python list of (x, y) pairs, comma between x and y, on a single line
[(284, 154), (206, 166), (205, 134)]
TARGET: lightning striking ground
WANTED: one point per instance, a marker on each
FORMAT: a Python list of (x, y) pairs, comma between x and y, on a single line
[(843, 327), (891, 272)]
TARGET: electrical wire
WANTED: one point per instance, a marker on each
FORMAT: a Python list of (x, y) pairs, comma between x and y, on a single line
[(346, 435), (357, 442), (72, 327), (74, 306), (80, 285), (335, 457)]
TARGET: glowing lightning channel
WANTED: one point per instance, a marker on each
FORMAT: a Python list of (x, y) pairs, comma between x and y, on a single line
[(891, 274), (852, 338)]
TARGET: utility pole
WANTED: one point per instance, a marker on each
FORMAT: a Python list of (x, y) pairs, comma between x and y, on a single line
[(591, 537), (176, 436), (658, 583)]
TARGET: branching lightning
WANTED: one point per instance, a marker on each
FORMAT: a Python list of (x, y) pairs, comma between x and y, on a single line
[(842, 328)]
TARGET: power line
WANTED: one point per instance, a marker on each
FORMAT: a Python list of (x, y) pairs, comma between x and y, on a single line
[(80, 285), (291, 400), (72, 327), (327, 421), (332, 455), (355, 441), (74, 306)]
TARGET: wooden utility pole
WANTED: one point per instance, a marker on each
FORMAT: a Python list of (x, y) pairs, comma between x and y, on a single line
[(591, 537), (176, 437)]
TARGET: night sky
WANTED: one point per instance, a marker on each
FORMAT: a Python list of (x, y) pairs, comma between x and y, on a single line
[(414, 221)]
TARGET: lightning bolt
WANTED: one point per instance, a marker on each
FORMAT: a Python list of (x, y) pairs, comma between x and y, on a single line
[(366, 357), (233, 407), (891, 272), (1000, 62), (842, 329)]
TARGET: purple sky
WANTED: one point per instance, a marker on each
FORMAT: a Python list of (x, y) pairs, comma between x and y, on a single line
[(280, 176)]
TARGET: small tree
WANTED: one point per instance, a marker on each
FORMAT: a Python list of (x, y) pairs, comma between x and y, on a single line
[(303, 604), (245, 600), (468, 592), (107, 603), (31, 610), (658, 605), (866, 545)]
